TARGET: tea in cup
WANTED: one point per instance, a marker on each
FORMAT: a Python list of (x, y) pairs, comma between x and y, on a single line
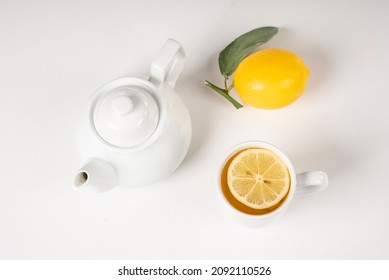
[(258, 182)]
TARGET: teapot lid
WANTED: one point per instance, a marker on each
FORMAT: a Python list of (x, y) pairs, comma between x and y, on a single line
[(126, 116)]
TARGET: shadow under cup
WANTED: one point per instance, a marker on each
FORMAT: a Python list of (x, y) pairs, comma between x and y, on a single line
[(236, 203)]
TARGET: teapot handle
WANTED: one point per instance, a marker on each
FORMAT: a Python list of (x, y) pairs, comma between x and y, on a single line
[(166, 68)]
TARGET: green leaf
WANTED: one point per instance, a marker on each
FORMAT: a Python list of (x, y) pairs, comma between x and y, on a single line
[(237, 50)]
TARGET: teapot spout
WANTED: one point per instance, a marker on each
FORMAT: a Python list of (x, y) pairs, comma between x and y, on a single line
[(96, 175)]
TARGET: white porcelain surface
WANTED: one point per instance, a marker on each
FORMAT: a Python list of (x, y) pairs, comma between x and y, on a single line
[(126, 116), (137, 126), (54, 54)]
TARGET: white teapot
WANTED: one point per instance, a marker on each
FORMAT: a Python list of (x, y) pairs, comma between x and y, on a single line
[(134, 130)]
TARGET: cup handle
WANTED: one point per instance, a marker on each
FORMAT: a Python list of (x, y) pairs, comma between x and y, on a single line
[(166, 68), (311, 182)]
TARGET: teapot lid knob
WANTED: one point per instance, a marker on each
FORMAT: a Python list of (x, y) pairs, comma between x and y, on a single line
[(126, 116), (123, 105)]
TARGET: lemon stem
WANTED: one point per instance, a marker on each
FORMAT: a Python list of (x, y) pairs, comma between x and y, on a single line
[(224, 92), (230, 87)]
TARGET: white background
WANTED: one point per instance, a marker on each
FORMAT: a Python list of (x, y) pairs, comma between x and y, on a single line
[(54, 54)]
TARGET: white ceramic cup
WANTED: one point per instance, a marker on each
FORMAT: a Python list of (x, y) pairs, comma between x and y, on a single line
[(302, 183)]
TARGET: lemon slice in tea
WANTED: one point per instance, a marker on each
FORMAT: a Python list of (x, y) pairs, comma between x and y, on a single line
[(258, 178)]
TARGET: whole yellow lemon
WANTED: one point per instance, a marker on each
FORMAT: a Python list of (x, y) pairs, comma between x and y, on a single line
[(271, 78)]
